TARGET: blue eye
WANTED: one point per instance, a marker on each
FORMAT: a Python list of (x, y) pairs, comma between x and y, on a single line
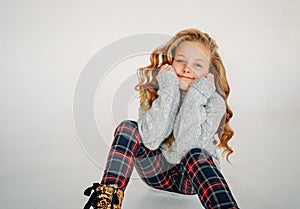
[(198, 65)]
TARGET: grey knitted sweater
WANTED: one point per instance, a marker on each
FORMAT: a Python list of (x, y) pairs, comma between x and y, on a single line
[(193, 117)]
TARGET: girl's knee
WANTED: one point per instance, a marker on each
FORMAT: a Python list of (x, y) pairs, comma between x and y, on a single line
[(129, 129), (127, 126), (196, 154), (128, 123)]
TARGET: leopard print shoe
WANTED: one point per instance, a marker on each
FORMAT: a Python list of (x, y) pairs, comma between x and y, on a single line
[(104, 197)]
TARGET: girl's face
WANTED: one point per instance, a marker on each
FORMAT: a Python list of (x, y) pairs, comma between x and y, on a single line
[(191, 61)]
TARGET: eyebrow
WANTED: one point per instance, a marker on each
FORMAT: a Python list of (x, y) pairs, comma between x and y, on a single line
[(184, 56)]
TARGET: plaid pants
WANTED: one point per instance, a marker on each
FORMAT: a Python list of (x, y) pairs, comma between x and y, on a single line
[(195, 174)]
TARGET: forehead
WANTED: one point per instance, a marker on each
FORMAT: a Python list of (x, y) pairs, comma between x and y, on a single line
[(193, 50)]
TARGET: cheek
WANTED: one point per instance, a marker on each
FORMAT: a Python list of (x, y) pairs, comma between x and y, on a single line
[(206, 71), (175, 67), (202, 73)]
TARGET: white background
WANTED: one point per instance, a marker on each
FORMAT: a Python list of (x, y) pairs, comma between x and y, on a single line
[(44, 45)]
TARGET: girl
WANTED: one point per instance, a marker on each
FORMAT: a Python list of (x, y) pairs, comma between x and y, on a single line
[(183, 117)]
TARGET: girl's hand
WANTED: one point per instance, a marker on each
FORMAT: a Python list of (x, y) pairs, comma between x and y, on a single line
[(182, 84), (209, 77), (166, 67)]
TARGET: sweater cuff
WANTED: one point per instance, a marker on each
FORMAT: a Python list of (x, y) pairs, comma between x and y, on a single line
[(204, 86), (167, 78)]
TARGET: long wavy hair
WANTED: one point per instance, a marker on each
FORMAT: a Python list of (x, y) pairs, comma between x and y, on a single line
[(148, 85)]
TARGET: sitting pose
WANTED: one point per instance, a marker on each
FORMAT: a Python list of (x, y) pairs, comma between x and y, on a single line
[(183, 118)]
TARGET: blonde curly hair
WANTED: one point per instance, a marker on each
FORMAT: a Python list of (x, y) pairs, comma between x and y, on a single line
[(148, 85)]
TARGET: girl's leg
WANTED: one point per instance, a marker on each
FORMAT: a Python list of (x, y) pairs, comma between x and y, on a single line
[(120, 160), (207, 180), (119, 165), (155, 170), (127, 151)]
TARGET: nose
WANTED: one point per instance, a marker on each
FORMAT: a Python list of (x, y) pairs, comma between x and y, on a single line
[(186, 69)]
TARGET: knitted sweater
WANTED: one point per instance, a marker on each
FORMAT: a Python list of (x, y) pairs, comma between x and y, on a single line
[(194, 120)]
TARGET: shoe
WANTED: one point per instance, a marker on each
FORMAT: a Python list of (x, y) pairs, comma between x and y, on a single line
[(104, 197)]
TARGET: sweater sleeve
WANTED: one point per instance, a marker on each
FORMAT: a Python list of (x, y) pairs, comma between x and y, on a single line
[(215, 110), (157, 123), (189, 125)]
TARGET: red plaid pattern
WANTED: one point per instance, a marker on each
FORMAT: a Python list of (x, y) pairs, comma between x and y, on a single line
[(196, 173)]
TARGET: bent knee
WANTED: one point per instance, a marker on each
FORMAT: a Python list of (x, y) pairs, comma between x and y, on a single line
[(127, 123), (196, 153), (127, 127)]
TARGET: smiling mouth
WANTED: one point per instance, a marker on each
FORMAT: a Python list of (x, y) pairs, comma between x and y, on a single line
[(184, 77)]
